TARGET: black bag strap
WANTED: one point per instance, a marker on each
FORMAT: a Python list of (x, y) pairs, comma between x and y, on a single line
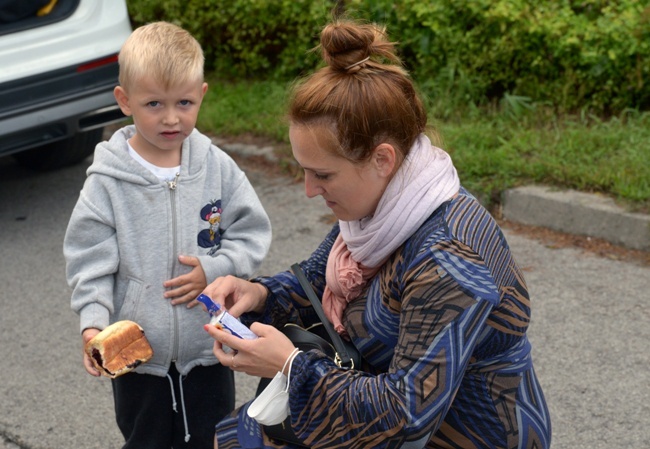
[(343, 357)]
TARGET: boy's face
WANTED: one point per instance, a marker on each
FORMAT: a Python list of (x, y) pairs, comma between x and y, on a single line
[(163, 118)]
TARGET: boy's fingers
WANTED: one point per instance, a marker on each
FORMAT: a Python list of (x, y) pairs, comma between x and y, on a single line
[(193, 303), (188, 260)]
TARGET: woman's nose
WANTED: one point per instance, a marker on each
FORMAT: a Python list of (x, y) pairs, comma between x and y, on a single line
[(311, 186)]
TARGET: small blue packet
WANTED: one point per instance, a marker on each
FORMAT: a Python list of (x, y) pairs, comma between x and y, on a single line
[(224, 320)]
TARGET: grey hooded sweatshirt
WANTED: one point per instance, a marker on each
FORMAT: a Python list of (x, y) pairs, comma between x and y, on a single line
[(128, 229)]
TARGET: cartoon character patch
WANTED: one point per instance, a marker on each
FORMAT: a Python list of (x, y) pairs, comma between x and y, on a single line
[(211, 237)]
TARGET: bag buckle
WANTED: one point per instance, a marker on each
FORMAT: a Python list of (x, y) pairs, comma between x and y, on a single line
[(339, 362)]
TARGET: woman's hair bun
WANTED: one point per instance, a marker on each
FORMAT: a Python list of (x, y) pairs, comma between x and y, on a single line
[(345, 44)]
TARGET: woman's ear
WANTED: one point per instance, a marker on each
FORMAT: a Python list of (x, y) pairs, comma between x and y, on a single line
[(384, 159), (122, 100)]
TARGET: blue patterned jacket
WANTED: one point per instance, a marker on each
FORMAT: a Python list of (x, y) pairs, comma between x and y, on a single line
[(442, 327)]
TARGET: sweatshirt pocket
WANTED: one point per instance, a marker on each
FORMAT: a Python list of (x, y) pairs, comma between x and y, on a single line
[(131, 301)]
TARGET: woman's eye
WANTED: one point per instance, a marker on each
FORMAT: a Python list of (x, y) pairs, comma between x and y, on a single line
[(321, 176)]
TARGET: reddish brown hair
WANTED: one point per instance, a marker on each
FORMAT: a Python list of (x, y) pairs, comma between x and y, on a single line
[(364, 102)]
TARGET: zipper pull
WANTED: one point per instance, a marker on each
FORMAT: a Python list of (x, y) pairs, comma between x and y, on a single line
[(172, 184)]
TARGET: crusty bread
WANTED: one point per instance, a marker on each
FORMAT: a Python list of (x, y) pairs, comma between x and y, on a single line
[(119, 348)]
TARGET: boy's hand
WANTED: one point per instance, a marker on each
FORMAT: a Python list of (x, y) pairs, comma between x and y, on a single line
[(185, 288), (86, 336)]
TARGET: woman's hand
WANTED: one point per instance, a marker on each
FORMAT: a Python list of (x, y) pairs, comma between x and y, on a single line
[(237, 295), (262, 357)]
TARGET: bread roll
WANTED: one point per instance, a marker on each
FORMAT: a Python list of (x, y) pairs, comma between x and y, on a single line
[(119, 348)]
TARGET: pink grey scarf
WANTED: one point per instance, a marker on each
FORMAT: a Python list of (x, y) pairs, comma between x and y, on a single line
[(425, 180)]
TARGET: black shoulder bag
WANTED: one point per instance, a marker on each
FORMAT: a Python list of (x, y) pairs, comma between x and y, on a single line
[(321, 336)]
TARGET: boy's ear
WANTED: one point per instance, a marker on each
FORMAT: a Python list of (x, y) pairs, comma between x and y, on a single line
[(204, 88), (122, 100)]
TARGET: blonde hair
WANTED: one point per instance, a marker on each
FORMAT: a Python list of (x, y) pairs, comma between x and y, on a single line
[(163, 51), (363, 94)]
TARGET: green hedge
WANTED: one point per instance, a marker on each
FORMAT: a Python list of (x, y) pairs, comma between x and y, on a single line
[(259, 38), (573, 55), (585, 54)]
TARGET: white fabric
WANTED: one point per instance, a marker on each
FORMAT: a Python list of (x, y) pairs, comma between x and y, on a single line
[(162, 173), (272, 405)]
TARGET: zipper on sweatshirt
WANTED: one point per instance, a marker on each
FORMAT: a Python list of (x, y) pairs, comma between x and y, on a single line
[(172, 184)]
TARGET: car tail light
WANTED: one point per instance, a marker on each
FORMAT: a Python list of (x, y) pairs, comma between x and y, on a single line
[(97, 63)]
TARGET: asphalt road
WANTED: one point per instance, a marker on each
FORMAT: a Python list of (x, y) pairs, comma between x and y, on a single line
[(590, 325)]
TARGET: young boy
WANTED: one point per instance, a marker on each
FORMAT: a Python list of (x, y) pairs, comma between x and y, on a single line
[(162, 212)]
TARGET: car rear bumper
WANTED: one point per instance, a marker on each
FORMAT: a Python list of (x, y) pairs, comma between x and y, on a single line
[(58, 121)]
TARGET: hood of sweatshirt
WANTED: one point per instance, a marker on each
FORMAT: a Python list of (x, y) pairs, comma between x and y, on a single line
[(112, 159)]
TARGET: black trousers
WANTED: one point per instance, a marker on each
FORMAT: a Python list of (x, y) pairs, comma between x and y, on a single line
[(145, 414)]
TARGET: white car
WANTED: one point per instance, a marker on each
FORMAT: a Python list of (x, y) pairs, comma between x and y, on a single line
[(57, 74)]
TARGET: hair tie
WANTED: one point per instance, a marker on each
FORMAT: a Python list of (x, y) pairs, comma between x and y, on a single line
[(357, 63)]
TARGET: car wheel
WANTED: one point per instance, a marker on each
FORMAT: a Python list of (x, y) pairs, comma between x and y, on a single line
[(61, 153)]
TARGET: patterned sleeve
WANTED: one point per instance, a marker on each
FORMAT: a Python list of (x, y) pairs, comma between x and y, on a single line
[(286, 302), (446, 294)]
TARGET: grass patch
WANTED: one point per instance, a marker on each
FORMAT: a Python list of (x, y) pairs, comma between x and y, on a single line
[(246, 107), (493, 148)]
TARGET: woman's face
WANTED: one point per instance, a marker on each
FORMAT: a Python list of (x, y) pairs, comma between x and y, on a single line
[(352, 191)]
